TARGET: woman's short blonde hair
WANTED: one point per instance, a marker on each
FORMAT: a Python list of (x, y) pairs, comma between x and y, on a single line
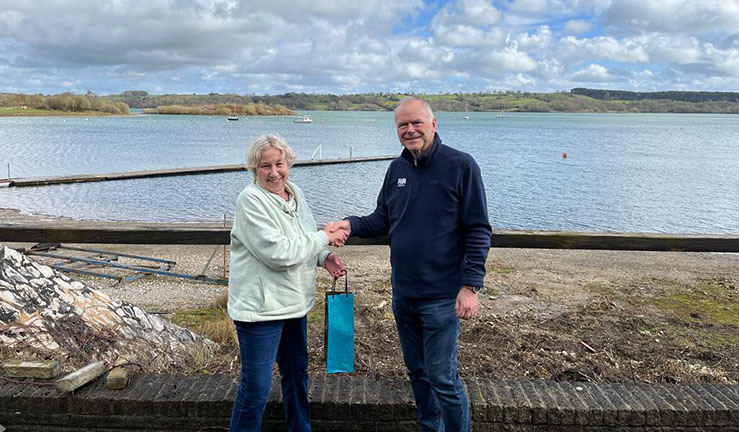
[(264, 142)]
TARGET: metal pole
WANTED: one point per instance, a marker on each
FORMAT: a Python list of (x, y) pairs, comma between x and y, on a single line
[(318, 149), (8, 170), (350, 151)]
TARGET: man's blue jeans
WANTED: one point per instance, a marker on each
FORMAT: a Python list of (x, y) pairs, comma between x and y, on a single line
[(260, 345), (428, 331)]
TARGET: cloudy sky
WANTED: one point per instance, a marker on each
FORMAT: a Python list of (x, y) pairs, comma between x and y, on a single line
[(357, 46)]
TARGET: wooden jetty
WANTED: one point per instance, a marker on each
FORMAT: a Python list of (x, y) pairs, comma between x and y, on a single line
[(84, 178), (136, 234)]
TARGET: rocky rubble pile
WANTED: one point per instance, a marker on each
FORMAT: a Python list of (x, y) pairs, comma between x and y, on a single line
[(47, 315)]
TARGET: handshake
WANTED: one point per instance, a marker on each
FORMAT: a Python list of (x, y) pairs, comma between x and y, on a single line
[(338, 232)]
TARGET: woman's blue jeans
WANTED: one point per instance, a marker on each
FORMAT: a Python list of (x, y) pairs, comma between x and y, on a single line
[(260, 345), (428, 331)]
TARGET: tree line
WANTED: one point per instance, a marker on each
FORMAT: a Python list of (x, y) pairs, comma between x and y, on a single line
[(682, 96), (576, 100), (224, 110), (65, 102)]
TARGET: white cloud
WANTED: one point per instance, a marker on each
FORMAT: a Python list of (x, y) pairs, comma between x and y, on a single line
[(529, 6), (510, 59), (469, 12), (551, 69), (592, 73), (421, 51), (577, 26), (573, 50), (675, 16), (467, 23), (521, 80), (464, 36), (345, 46), (724, 62), (542, 38), (480, 12), (641, 80), (670, 49), (168, 33)]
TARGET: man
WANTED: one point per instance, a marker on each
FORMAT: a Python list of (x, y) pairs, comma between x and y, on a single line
[(432, 206)]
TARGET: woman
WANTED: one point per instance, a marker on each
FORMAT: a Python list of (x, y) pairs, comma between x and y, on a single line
[(275, 248)]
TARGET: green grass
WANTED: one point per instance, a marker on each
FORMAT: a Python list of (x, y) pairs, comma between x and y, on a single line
[(707, 302), (211, 321), (704, 315), (194, 318), (317, 314), (499, 269), (701, 337)]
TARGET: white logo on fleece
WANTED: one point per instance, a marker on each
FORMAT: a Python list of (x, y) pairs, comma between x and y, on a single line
[(401, 182)]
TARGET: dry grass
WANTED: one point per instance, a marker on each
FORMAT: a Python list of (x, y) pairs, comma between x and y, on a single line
[(213, 323)]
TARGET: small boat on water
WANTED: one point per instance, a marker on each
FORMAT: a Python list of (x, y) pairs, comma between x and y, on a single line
[(233, 116), (304, 119)]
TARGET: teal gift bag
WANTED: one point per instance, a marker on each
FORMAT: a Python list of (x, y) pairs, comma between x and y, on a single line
[(338, 335)]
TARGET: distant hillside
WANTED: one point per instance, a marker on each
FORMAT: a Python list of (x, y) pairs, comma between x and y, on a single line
[(577, 100)]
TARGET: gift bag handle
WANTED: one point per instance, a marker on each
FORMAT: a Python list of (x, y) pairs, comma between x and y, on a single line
[(346, 284)]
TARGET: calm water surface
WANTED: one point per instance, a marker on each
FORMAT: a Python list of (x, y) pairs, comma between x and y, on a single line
[(624, 172)]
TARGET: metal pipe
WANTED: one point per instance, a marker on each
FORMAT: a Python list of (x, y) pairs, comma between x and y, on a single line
[(143, 258), (89, 273), (215, 251), (134, 268)]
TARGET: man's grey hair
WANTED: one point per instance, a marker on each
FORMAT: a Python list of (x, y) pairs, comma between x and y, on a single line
[(264, 142), (413, 98)]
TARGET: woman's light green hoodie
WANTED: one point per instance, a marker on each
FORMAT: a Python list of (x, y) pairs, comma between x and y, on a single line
[(274, 254)]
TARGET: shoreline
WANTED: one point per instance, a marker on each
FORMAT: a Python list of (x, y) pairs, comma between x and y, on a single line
[(593, 111), (10, 216)]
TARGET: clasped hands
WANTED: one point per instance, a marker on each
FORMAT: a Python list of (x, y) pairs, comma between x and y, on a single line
[(337, 232)]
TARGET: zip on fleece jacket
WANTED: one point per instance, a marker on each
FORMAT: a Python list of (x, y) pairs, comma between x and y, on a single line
[(274, 254), (434, 211)]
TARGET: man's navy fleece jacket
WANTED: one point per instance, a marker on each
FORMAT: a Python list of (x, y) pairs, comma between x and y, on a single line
[(434, 212)]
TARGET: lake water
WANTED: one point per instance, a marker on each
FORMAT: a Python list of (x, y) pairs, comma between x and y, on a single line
[(662, 173)]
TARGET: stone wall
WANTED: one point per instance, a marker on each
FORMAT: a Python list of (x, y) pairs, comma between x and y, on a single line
[(158, 402)]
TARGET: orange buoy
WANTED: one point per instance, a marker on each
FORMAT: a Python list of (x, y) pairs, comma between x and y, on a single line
[(564, 155)]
